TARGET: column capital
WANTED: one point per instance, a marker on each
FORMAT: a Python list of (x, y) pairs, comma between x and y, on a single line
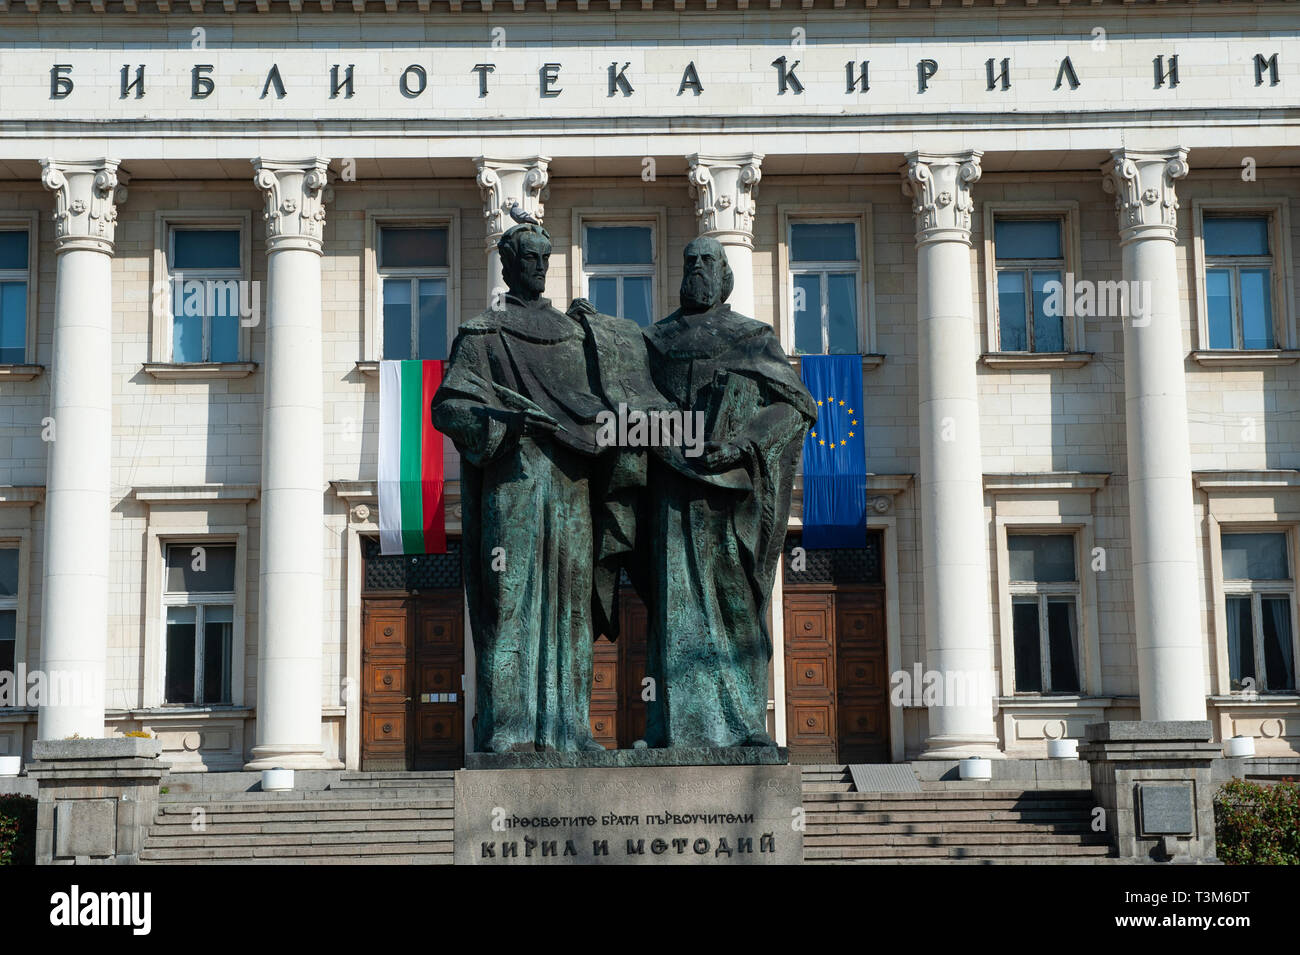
[(724, 189), (939, 185), (296, 192), (86, 194), (1143, 184), (504, 183)]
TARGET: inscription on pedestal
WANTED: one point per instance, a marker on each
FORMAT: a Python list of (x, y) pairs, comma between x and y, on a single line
[(680, 815), (1167, 809)]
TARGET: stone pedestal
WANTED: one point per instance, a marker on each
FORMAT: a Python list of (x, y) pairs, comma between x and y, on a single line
[(96, 799), (678, 815), (1153, 779)]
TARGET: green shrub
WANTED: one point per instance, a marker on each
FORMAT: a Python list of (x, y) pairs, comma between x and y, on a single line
[(1258, 824), (17, 830)]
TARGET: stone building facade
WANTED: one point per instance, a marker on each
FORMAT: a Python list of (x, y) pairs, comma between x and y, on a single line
[(1095, 513)]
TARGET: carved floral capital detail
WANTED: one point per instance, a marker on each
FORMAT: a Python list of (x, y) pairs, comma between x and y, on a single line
[(1143, 185), (296, 193), (86, 194), (506, 183), (725, 190), (939, 186)]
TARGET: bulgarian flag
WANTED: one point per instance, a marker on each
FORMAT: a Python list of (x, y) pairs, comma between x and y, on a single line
[(411, 519)]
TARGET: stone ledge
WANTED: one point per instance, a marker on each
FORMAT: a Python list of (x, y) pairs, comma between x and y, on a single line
[(20, 372), (632, 758), (1035, 361), (198, 370), (1141, 731), (1241, 358), (117, 747)]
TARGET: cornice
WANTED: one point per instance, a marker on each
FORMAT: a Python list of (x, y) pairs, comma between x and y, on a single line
[(920, 9)]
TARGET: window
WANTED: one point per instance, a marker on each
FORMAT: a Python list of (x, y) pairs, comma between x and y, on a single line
[(199, 606), (414, 270), (618, 266), (1028, 254), (1045, 612), (1238, 281), (825, 285), (8, 608), (14, 265), (206, 291), (1258, 594)]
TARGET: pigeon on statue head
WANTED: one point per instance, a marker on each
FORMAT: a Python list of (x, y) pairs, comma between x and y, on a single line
[(521, 215)]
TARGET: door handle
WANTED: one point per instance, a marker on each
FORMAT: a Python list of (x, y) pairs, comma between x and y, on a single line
[(407, 700)]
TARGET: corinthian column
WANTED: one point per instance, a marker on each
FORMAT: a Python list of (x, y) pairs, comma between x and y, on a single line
[(505, 183), (74, 599), (954, 540), (292, 505), (1167, 617), (724, 189)]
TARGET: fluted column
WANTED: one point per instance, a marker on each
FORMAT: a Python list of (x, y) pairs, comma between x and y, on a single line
[(74, 599), (724, 189), (1167, 617), (954, 539), (292, 505), (503, 184)]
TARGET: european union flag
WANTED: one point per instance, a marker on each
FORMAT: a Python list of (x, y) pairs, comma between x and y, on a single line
[(834, 454)]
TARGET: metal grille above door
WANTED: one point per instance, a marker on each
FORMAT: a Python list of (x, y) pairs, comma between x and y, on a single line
[(855, 565), (410, 572)]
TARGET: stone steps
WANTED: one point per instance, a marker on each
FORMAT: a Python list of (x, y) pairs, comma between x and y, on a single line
[(374, 823), (965, 822)]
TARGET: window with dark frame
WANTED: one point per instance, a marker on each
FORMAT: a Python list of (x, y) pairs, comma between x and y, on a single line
[(1259, 590), (414, 272), (8, 609), (204, 267), (825, 287), (1238, 281), (618, 264), (14, 277), (199, 599), (1028, 255), (1045, 612)]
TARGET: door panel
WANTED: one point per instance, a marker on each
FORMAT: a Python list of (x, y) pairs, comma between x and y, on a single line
[(810, 676), (439, 662), (863, 683), (384, 684), (618, 666), (836, 679)]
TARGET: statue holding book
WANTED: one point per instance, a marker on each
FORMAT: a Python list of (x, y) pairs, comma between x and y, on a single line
[(714, 524)]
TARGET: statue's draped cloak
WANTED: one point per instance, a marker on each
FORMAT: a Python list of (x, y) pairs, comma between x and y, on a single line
[(537, 507), (716, 537)]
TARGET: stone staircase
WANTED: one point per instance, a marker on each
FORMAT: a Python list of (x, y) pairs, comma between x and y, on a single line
[(367, 818), (946, 823)]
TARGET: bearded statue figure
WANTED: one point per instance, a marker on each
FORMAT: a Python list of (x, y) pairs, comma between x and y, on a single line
[(719, 520)]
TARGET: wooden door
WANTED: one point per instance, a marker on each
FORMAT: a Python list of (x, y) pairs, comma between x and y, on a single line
[(438, 700), (810, 676), (617, 711), (861, 677), (385, 685)]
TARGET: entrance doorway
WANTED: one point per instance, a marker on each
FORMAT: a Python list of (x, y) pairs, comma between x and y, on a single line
[(618, 666), (836, 670), (412, 661)]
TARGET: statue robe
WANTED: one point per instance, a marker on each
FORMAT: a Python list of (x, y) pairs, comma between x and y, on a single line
[(540, 512), (718, 535)]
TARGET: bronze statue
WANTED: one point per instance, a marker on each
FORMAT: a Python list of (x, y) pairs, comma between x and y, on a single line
[(715, 523), (548, 511)]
